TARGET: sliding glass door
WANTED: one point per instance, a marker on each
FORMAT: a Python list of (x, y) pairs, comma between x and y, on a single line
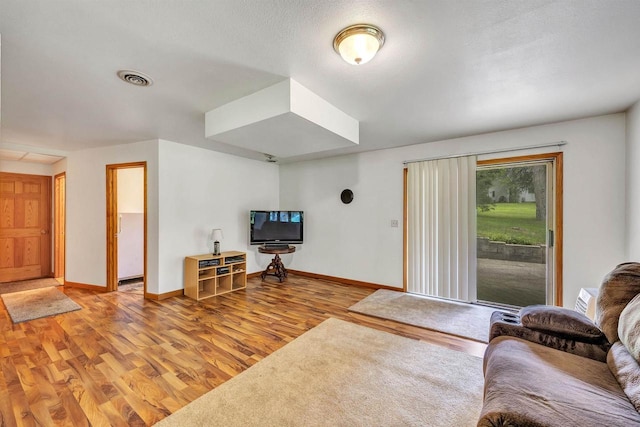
[(487, 231), (516, 221)]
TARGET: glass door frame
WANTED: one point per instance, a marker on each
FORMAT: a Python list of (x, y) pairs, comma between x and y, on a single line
[(554, 200)]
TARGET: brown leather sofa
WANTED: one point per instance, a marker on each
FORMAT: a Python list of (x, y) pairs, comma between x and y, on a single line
[(550, 366)]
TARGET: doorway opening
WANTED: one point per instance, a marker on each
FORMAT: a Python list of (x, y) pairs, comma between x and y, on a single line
[(59, 225), (519, 230), (127, 227)]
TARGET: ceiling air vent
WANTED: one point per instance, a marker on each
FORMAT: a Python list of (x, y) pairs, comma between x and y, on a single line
[(136, 78)]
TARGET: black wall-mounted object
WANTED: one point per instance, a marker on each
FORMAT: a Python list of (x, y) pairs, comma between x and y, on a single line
[(346, 196)]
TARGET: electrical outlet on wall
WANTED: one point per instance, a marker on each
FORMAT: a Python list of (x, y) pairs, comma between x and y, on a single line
[(394, 223)]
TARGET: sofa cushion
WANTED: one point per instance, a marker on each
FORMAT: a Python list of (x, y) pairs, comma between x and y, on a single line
[(527, 384), (629, 327), (562, 322), (626, 370), (501, 325), (617, 289)]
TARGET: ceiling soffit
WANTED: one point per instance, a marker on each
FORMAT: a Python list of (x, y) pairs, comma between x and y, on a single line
[(282, 120)]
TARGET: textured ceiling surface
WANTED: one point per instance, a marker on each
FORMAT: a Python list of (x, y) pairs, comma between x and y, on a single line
[(448, 68)]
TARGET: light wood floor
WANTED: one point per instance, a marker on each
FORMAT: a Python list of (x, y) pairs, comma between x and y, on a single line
[(123, 360)]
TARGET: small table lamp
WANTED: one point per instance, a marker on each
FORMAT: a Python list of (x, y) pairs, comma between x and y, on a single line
[(216, 236)]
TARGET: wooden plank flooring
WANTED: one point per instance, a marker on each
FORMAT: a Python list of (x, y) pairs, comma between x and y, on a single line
[(123, 360)]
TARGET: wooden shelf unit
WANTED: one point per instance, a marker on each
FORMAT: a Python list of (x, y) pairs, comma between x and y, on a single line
[(210, 275)]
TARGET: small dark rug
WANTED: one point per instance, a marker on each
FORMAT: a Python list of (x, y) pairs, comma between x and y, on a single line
[(134, 285), (26, 285), (451, 317), (132, 288), (37, 303)]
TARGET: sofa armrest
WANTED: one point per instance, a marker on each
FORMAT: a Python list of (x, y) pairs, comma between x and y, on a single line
[(507, 324), (534, 386), (561, 322)]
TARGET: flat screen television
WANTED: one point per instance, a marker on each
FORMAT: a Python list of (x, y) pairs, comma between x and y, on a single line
[(276, 228)]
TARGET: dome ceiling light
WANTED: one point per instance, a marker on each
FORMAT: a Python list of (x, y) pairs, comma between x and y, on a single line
[(358, 44)]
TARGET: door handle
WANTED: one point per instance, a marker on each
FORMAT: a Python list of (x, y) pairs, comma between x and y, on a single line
[(43, 231)]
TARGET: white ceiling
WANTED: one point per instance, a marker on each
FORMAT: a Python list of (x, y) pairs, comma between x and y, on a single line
[(448, 68), (23, 156)]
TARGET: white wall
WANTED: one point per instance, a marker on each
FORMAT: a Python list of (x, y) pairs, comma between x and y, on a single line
[(633, 184), (201, 190), (189, 191), (27, 168), (353, 241), (59, 166), (356, 241), (86, 210), (131, 190)]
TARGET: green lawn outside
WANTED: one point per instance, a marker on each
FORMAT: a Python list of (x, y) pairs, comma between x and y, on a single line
[(512, 223)]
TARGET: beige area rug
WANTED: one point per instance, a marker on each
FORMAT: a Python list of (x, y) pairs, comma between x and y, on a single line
[(342, 374), (25, 285), (455, 318), (37, 303)]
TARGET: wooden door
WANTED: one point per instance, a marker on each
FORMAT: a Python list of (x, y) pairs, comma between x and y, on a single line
[(25, 218)]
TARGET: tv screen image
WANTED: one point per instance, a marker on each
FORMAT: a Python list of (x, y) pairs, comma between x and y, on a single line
[(276, 227)]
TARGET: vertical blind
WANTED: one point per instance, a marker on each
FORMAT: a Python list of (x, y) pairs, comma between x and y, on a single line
[(441, 197)]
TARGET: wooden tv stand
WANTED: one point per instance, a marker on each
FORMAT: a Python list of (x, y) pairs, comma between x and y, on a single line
[(209, 275), (276, 266)]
